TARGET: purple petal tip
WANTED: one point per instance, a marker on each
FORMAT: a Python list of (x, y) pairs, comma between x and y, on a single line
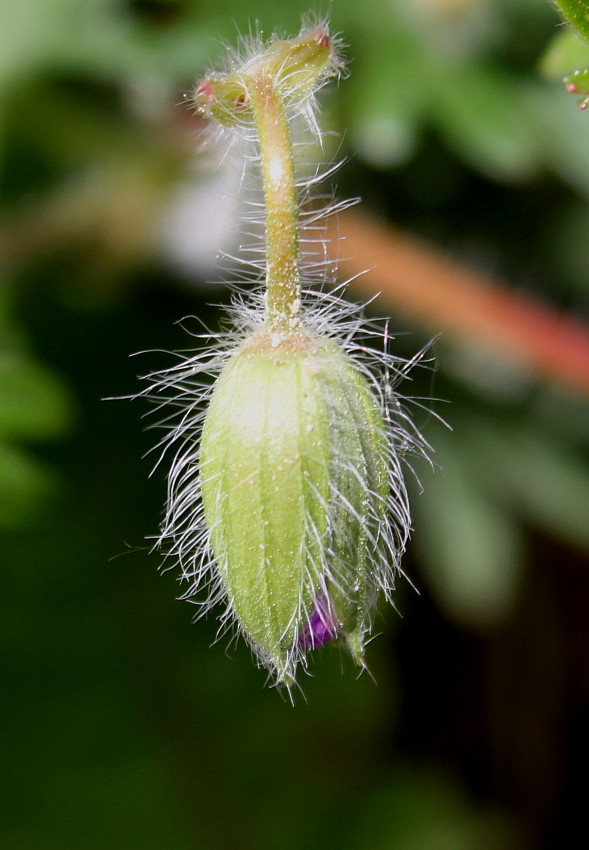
[(321, 627)]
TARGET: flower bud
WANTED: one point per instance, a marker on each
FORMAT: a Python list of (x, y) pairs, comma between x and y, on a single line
[(299, 64), (296, 66), (225, 99), (295, 484), (578, 83)]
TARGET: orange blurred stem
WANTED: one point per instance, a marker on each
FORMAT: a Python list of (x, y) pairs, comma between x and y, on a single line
[(421, 284)]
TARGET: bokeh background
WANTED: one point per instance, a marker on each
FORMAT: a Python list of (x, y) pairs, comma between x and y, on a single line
[(122, 726)]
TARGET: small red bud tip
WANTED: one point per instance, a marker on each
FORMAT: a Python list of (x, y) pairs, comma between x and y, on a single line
[(321, 37), (571, 88), (205, 91), (584, 104)]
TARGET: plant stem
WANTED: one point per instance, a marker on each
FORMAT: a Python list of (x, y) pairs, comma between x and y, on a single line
[(282, 231)]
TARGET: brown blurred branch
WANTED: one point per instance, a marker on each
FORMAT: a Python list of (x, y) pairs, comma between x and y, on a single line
[(426, 287), (414, 279)]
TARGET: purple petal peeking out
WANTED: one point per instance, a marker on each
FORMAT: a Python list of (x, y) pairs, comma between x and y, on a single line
[(321, 627)]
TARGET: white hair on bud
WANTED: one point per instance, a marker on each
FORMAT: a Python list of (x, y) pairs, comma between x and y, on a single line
[(182, 393)]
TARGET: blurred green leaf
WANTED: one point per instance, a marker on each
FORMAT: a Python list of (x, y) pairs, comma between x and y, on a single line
[(428, 810), (22, 483), (96, 37), (546, 483), (33, 402), (567, 229), (565, 52), (470, 546), (387, 97), (33, 405), (482, 114), (560, 131)]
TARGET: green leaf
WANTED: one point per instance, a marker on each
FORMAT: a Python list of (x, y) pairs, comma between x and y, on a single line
[(32, 401), (97, 37), (545, 483), (576, 12), (31, 32), (387, 98), (417, 809), (562, 135), (566, 52), (22, 482), (470, 547), (482, 114)]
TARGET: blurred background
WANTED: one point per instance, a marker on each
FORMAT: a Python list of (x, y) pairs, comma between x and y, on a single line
[(121, 726)]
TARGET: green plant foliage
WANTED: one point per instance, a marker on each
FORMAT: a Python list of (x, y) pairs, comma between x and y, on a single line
[(470, 543), (568, 54), (33, 406), (120, 726), (566, 51), (576, 12)]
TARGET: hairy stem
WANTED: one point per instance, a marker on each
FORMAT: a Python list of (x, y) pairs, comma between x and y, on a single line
[(282, 232)]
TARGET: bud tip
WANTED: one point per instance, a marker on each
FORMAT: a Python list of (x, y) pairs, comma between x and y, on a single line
[(321, 37)]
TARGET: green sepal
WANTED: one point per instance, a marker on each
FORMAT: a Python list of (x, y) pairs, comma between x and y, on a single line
[(264, 469), (578, 83), (360, 479), (224, 99)]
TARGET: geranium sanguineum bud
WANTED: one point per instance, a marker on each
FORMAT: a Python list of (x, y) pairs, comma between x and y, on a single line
[(286, 500), (297, 67), (294, 476)]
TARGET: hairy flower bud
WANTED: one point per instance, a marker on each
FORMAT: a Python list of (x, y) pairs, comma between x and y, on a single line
[(296, 67), (578, 83), (294, 476)]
